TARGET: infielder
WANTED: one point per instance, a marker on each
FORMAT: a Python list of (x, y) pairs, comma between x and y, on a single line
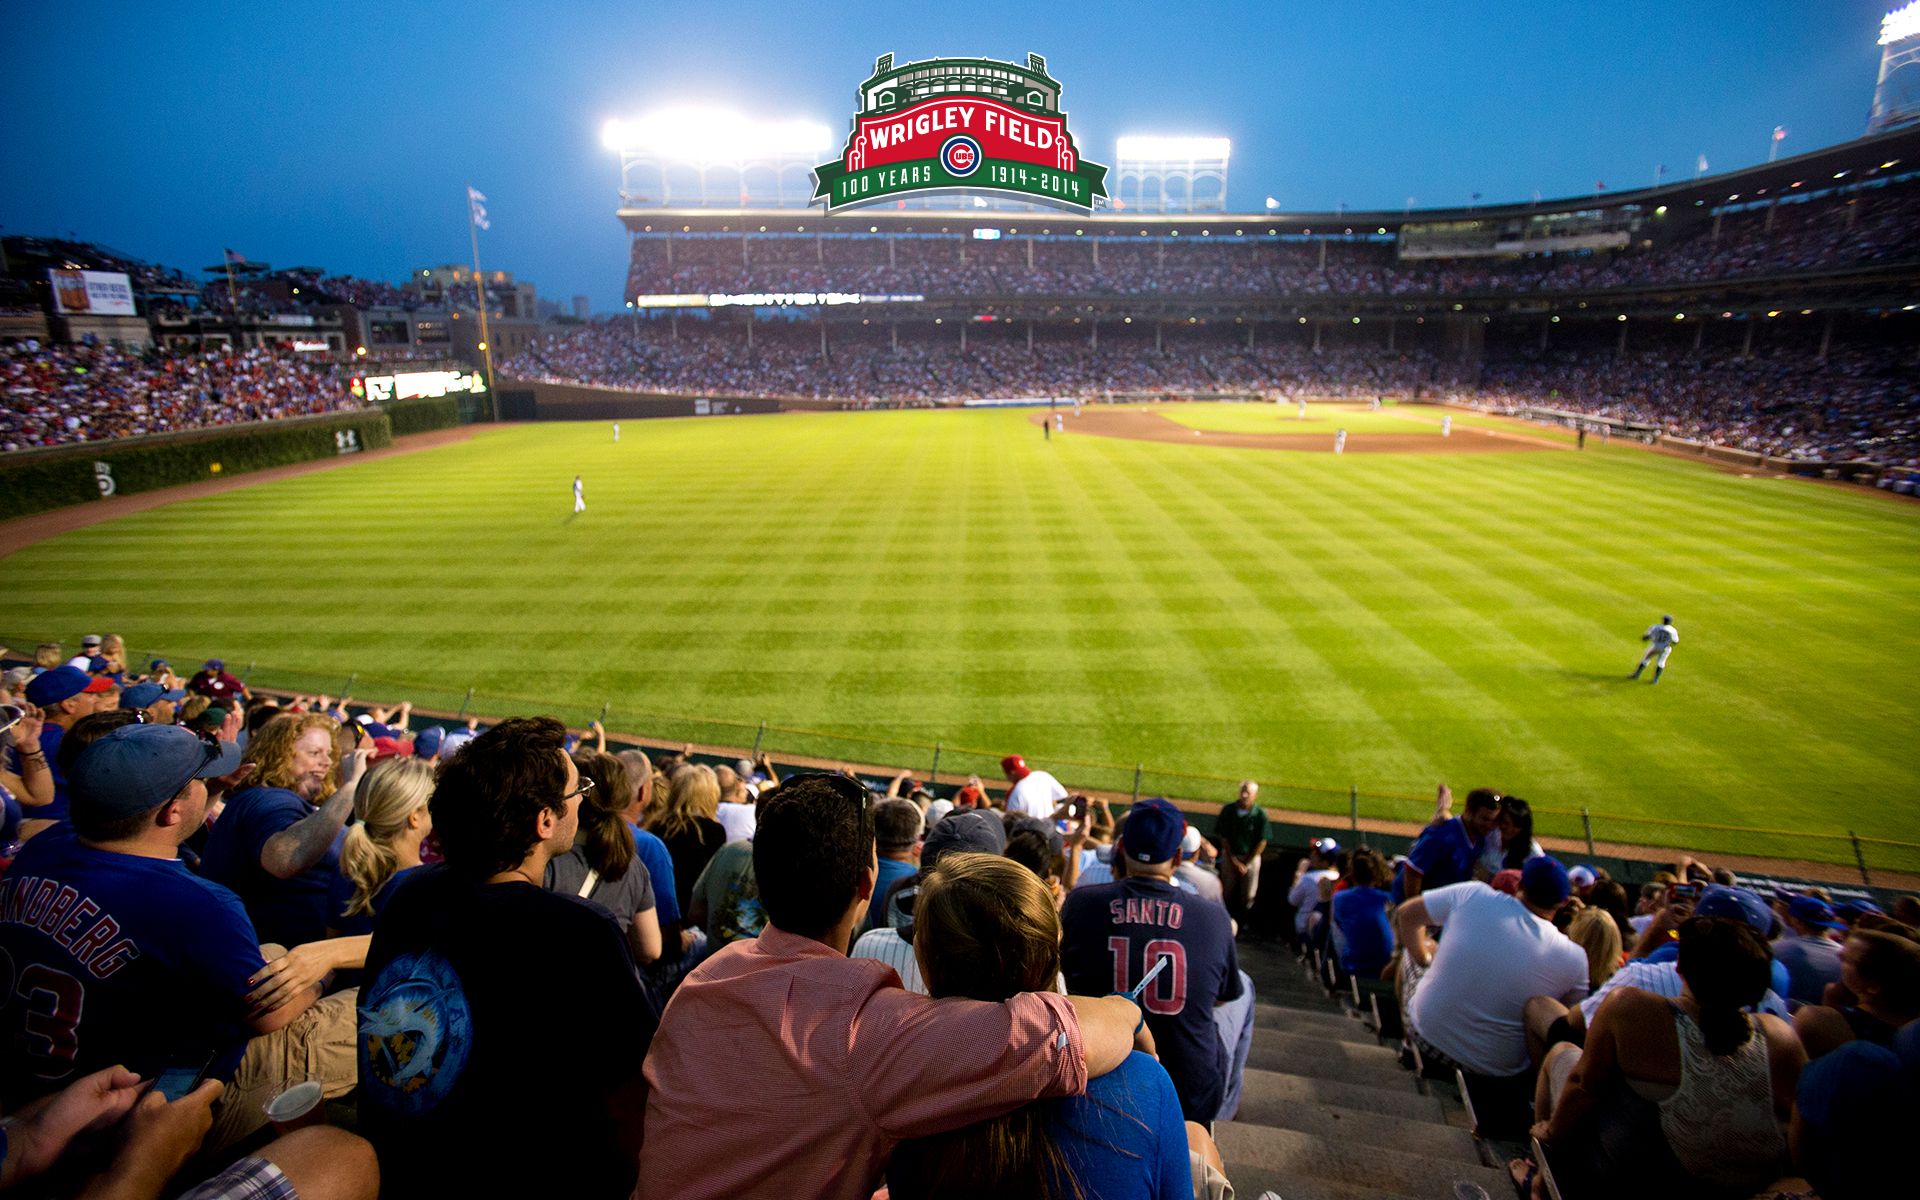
[(1059, 423), (1446, 426), (1303, 408), (1340, 442), (1660, 639), (579, 495)]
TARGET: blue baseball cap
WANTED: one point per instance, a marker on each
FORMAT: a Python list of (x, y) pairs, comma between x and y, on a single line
[(140, 695), (158, 664), (426, 743), (1852, 910), (1545, 877), (137, 768), (1326, 846), (1736, 904), (62, 683), (215, 664), (1153, 832), (1812, 910)]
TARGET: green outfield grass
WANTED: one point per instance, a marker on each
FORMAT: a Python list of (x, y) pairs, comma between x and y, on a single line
[(1384, 621)]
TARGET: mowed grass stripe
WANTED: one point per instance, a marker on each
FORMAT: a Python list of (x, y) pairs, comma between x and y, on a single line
[(1380, 619)]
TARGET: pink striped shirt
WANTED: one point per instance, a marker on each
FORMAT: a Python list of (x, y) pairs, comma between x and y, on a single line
[(784, 1068)]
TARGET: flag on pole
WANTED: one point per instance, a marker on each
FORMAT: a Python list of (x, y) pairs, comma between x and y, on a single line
[(1476, 195), (1272, 204), (236, 259), (477, 207), (1700, 165), (1779, 133), (1660, 171), (1599, 185)]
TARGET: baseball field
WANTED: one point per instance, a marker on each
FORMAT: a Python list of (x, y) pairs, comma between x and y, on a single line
[(1203, 589)]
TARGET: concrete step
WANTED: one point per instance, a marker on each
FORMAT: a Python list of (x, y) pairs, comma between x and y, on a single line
[(1264, 1090), (1334, 1026), (1251, 1181), (1299, 1156), (1325, 1058), (1423, 1136)]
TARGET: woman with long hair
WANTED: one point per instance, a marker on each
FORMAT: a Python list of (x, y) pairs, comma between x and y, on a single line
[(685, 821), (987, 929), (1513, 843), (277, 842), (1593, 930), (382, 846), (602, 866), (1686, 1096)]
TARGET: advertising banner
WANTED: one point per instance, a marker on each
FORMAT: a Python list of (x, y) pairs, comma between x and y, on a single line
[(91, 293)]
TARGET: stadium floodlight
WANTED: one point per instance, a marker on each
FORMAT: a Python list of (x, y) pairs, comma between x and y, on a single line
[(1900, 24), (1896, 94), (713, 135), (1148, 149), (708, 156), (1171, 174)]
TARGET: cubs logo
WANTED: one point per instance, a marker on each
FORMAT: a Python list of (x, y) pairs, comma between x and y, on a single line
[(960, 156)]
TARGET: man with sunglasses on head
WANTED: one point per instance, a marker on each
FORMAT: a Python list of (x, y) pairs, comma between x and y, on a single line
[(493, 1010), (785, 1068)]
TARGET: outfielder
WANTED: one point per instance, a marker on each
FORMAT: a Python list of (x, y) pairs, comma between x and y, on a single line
[(1660, 639), (1303, 408), (616, 433), (1446, 426), (1340, 442), (579, 495)]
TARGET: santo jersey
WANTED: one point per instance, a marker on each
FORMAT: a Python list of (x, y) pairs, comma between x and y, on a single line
[(116, 958), (1663, 635), (1113, 935)]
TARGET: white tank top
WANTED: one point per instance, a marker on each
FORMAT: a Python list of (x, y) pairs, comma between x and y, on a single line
[(1720, 1121)]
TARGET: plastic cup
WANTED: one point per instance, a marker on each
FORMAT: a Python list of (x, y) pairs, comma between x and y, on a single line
[(298, 1107)]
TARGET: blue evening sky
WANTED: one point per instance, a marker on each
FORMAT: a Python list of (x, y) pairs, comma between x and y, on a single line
[(341, 135)]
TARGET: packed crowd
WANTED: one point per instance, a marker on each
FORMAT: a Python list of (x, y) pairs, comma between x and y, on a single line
[(1830, 232), (1858, 404), (1694, 1037), (704, 359), (228, 912), (55, 395)]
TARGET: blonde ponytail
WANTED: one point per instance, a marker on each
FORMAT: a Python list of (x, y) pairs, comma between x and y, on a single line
[(391, 791)]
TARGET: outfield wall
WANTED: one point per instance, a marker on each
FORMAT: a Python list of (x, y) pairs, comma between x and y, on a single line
[(539, 401)]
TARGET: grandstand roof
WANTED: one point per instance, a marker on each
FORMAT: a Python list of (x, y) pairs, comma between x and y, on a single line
[(1886, 153)]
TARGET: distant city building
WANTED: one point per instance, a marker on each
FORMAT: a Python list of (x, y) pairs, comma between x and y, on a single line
[(582, 307)]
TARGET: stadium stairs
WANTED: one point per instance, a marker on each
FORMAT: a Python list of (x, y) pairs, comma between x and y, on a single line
[(1329, 1113)]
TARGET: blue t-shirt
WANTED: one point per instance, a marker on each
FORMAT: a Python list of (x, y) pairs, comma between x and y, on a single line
[(891, 870), (341, 895), (659, 863), (1153, 919), (1443, 854), (1126, 1139), (290, 912), (117, 958), (1361, 914)]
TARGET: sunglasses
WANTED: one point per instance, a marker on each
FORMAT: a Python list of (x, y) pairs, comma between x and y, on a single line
[(583, 791), (851, 790)]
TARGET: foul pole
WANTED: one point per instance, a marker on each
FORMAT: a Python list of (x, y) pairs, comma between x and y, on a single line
[(480, 296)]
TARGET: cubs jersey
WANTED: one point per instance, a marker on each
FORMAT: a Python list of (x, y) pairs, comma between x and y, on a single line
[(1663, 635)]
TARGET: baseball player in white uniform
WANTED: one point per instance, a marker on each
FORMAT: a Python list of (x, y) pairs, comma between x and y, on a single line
[(1303, 408), (616, 433), (1660, 639), (579, 495), (1340, 442), (1446, 426)]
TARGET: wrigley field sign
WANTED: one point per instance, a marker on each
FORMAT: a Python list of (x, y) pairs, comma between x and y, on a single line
[(957, 126)]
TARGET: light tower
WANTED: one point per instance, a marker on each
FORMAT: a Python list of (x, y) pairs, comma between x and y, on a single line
[(1172, 174), (708, 158), (1896, 96)]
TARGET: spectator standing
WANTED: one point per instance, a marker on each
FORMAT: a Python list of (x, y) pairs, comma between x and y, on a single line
[(277, 844), (1812, 958), (1241, 835), (1117, 932), (843, 1062), (472, 965), (1033, 793), (213, 682), (1467, 1000)]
